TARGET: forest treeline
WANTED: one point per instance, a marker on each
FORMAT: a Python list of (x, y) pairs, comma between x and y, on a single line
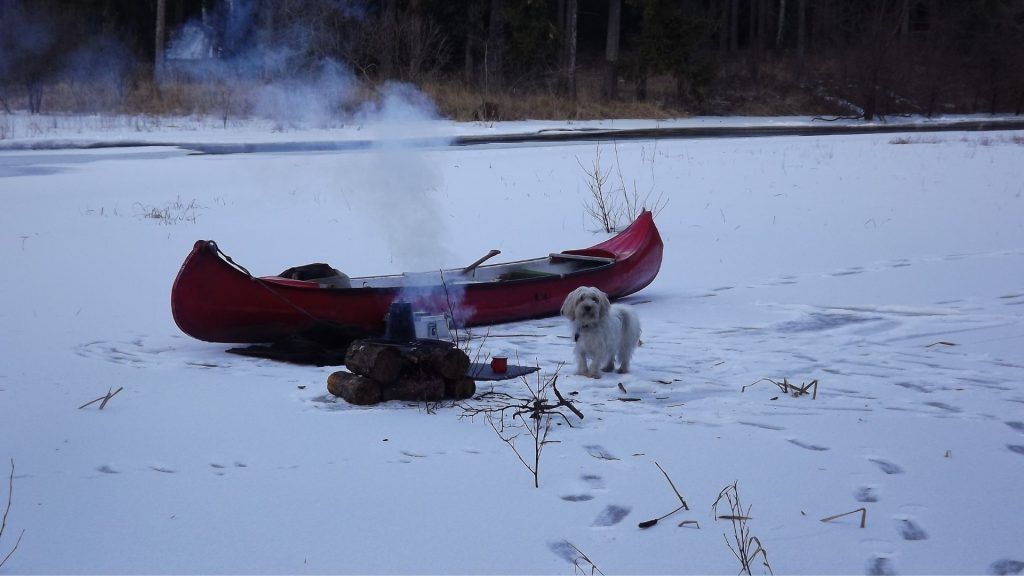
[(504, 59)]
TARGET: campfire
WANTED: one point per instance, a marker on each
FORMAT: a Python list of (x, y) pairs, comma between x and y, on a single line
[(401, 366)]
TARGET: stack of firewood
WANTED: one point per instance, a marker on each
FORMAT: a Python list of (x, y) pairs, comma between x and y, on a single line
[(419, 370)]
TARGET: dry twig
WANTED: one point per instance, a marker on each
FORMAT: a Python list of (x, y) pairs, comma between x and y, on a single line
[(863, 516), (682, 503), (7, 510), (105, 398), (530, 414), (582, 556), (788, 388)]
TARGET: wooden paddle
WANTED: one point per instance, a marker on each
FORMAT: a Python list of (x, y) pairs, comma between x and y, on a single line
[(483, 259)]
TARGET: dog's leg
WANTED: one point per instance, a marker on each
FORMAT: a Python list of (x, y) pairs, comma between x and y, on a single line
[(581, 364), (594, 370), (625, 355)]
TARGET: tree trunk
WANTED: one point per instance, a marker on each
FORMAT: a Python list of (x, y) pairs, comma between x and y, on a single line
[(389, 39), (468, 61), (161, 32), (755, 41), (571, 20), (611, 51), (801, 37), (780, 30), (734, 25), (720, 10), (495, 45)]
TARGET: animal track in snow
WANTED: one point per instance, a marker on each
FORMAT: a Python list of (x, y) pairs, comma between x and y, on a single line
[(1019, 449)]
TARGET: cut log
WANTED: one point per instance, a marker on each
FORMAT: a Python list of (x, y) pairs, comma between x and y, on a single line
[(449, 363), (414, 386), (380, 362), (459, 388), (354, 389)]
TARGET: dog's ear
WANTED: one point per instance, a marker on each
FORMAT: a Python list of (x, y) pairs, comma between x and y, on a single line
[(604, 303), (569, 306)]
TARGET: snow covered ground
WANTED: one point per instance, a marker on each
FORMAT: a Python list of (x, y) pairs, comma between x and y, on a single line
[(888, 268)]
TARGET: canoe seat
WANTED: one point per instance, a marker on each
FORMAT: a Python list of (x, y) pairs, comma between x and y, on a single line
[(595, 257), (524, 274)]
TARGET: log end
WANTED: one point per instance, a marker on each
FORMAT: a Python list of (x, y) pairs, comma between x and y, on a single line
[(354, 389)]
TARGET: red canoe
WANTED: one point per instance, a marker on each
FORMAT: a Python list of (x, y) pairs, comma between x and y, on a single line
[(216, 300)]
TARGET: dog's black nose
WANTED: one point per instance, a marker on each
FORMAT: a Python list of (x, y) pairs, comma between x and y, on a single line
[(586, 308)]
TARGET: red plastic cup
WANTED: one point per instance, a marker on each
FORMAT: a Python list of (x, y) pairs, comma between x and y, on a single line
[(499, 364)]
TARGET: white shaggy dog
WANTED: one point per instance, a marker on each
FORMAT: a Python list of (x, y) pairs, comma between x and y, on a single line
[(603, 331)]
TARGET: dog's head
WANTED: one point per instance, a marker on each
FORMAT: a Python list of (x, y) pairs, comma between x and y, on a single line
[(586, 304)]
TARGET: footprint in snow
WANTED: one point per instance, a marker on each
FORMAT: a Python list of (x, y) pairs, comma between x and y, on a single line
[(762, 425), (591, 482), (866, 494), (880, 566), (163, 469), (611, 516), (848, 272), (886, 466), (1016, 448), (106, 469), (806, 446), (566, 551), (599, 452), (944, 406), (1018, 426), (910, 530), (1006, 566)]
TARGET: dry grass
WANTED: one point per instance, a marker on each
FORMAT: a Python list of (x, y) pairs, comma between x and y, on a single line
[(777, 91), (745, 547), (460, 102)]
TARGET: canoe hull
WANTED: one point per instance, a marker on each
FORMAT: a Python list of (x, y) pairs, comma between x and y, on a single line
[(215, 300)]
